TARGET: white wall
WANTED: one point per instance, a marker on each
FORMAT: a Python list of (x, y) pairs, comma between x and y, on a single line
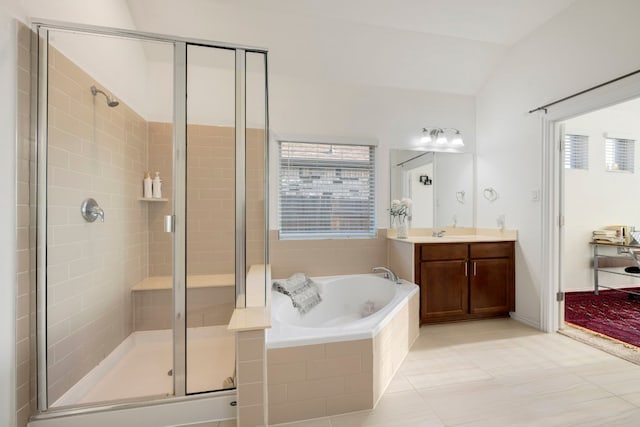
[(595, 198), (120, 65), (573, 51)]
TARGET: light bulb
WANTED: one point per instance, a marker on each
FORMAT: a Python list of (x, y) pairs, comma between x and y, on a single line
[(442, 139), (426, 136), (457, 140)]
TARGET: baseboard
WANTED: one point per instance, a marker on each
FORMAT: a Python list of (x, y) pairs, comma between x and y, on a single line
[(527, 321)]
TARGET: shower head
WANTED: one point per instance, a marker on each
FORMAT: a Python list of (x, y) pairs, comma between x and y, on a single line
[(112, 101)]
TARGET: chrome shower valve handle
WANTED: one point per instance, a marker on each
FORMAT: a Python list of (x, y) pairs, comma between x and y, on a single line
[(91, 211)]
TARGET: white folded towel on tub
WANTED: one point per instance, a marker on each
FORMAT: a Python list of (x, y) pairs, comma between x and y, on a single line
[(303, 291)]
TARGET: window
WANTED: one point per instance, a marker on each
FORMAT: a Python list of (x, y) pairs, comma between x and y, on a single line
[(576, 151), (326, 190), (619, 154)]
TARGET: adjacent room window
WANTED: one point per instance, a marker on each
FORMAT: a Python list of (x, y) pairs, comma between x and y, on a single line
[(576, 151), (619, 154), (326, 190)]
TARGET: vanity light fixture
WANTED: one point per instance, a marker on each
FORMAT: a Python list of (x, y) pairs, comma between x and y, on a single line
[(443, 137)]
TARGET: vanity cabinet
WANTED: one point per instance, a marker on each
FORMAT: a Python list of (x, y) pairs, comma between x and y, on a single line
[(462, 281)]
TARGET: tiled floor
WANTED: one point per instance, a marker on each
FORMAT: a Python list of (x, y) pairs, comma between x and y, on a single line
[(502, 373)]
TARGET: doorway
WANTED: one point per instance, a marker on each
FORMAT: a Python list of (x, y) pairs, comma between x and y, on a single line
[(600, 178), (562, 244)]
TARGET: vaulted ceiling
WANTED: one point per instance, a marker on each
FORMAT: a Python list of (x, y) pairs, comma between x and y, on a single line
[(448, 46)]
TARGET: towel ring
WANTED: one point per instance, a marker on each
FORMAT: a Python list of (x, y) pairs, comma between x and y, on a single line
[(460, 196), (490, 194)]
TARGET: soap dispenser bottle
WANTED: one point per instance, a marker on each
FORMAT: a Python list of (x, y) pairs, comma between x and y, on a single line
[(147, 192), (157, 186)]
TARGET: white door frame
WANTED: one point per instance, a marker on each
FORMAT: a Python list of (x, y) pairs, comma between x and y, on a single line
[(614, 93)]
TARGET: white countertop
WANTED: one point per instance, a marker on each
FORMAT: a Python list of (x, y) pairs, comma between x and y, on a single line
[(453, 235)]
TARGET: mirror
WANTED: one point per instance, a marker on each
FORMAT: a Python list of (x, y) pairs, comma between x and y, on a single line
[(440, 185)]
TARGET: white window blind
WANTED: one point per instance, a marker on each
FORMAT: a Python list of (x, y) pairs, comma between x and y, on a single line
[(326, 191), (619, 154), (576, 151)]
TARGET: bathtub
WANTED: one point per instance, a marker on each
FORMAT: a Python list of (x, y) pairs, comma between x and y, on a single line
[(341, 355), (339, 317)]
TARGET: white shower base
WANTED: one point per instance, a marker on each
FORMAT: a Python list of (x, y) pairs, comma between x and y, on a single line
[(140, 366)]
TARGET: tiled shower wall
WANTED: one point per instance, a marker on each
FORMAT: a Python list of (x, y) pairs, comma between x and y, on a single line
[(24, 362), (210, 198), (99, 152)]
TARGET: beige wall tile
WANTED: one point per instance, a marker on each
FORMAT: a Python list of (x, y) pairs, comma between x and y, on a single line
[(339, 404), (277, 393), (251, 416), (295, 354), (251, 335), (252, 349), (358, 383), (302, 410), (335, 367), (348, 348), (312, 389), (251, 372), (286, 373), (326, 257), (250, 394)]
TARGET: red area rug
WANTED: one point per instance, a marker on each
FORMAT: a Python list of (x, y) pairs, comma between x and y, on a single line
[(611, 313)]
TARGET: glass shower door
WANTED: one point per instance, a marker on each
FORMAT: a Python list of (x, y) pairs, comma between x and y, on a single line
[(210, 218), (108, 277)]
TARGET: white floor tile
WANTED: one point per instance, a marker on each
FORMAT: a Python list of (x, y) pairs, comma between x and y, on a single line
[(502, 373)]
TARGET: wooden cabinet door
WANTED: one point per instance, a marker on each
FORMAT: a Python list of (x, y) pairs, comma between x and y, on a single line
[(444, 289), (490, 286)]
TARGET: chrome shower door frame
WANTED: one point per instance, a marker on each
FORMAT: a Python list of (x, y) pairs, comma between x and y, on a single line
[(40, 109)]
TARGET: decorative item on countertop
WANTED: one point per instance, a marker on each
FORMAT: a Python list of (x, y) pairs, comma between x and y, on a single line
[(399, 212), (147, 192), (157, 187)]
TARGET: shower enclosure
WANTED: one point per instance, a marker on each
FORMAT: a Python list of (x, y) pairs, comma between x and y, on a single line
[(134, 293)]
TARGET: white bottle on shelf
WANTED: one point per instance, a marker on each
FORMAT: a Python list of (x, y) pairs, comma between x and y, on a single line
[(157, 187), (147, 192)]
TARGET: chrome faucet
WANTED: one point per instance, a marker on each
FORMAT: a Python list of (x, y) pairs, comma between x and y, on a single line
[(388, 274), (440, 233)]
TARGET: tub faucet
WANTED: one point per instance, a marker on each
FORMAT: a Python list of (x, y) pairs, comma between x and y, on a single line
[(440, 233), (388, 274)]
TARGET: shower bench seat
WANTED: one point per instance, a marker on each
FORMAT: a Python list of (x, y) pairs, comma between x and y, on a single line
[(210, 301), (193, 281)]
